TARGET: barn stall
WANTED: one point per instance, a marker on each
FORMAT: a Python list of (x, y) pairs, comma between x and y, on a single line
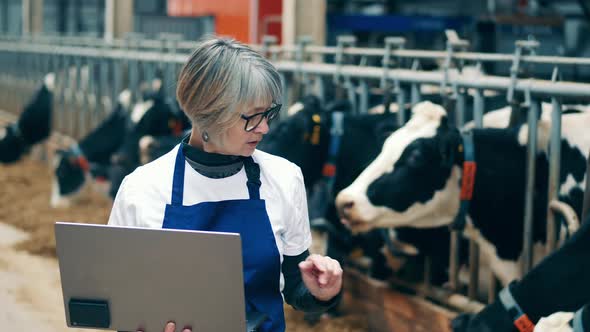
[(89, 75)]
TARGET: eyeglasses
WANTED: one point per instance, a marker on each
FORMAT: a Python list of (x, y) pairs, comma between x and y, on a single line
[(252, 121)]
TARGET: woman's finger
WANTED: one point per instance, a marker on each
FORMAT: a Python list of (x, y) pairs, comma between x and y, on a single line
[(170, 327)]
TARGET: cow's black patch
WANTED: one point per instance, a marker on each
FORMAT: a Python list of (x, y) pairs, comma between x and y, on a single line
[(422, 169), (575, 161), (70, 176)]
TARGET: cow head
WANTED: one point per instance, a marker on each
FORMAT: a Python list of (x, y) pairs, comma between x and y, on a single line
[(71, 168), (12, 145), (413, 182), (302, 138)]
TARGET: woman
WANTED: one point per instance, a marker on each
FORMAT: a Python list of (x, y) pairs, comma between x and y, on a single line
[(216, 180)]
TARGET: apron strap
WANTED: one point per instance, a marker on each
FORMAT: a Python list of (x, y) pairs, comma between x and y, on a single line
[(253, 173), (178, 179)]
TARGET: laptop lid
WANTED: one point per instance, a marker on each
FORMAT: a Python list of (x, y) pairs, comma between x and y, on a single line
[(122, 278)]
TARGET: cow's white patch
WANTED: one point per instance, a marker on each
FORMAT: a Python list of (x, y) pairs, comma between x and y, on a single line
[(295, 108), (57, 200), (557, 322), (575, 131), (569, 184), (49, 81), (144, 146), (125, 98), (423, 124), (140, 109), (156, 84)]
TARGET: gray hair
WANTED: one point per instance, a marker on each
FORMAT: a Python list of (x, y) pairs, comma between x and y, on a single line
[(221, 77)]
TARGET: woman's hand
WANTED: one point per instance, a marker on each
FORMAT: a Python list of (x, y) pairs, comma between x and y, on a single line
[(171, 327), (322, 275)]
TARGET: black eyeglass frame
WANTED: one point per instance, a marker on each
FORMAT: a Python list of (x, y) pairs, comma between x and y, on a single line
[(272, 111)]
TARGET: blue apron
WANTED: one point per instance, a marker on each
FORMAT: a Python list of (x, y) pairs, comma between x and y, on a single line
[(248, 217)]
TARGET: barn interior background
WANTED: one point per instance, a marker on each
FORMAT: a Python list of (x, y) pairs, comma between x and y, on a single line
[(470, 56)]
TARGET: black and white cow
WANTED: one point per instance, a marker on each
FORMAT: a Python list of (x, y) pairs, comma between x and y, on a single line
[(155, 116), (415, 181), (112, 149), (554, 289), (33, 125), (91, 156), (363, 136), (304, 138)]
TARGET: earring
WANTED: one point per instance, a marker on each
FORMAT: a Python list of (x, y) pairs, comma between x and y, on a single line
[(205, 136)]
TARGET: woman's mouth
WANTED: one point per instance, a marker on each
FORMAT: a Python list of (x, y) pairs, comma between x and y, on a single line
[(253, 143)]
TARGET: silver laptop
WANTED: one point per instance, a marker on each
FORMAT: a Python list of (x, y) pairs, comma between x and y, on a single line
[(122, 278)]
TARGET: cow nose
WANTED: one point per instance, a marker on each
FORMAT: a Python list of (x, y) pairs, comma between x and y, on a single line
[(347, 205), (344, 203)]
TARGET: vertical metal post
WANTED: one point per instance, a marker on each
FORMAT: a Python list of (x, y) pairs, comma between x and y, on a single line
[(285, 88), (342, 42), (267, 42), (586, 205), (301, 81), (170, 43), (321, 88), (493, 289), (554, 168), (459, 107), (401, 103), (74, 108), (454, 261), (364, 97), (351, 92), (473, 270), (478, 108), (530, 185), (87, 110), (60, 69), (103, 93)]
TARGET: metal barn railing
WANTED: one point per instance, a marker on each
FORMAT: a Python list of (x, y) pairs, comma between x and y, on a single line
[(91, 72)]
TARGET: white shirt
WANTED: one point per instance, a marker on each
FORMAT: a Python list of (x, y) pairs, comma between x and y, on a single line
[(143, 195)]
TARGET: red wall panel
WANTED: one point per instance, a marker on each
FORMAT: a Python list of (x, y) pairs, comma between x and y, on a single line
[(232, 17)]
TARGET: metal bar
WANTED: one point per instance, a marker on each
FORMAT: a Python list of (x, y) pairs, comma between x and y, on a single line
[(117, 80), (78, 112), (460, 109), (351, 93), (401, 103), (310, 49), (530, 185), (285, 88), (478, 108), (454, 260), (473, 270), (364, 97), (478, 111), (563, 89), (554, 171), (493, 289), (586, 205), (103, 91), (416, 96)]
